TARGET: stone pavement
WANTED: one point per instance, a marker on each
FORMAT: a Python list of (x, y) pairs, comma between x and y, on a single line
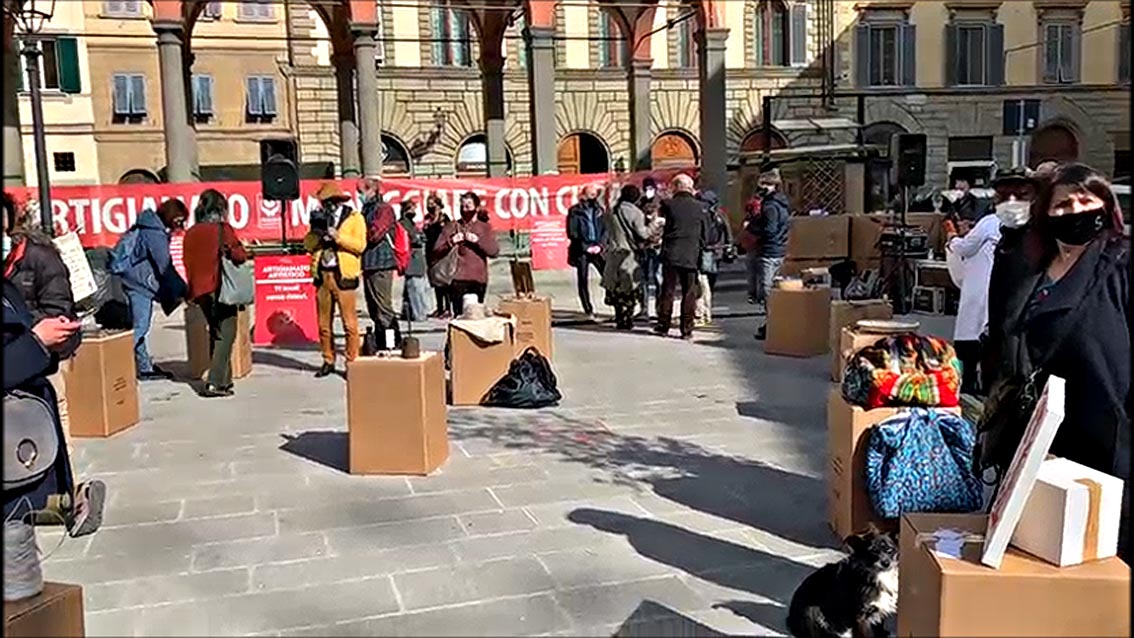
[(677, 490)]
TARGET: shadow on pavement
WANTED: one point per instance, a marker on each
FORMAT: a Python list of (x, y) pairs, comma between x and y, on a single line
[(710, 559), (750, 492), (765, 614), (651, 619), (325, 447), (272, 358)]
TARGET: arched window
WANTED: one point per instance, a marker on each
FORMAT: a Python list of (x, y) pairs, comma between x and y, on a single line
[(673, 149), (395, 157), (582, 153), (453, 43), (754, 141), (780, 33), (472, 157), (612, 44), (1053, 142)]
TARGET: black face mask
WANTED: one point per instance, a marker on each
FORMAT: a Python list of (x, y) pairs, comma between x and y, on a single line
[(1077, 229)]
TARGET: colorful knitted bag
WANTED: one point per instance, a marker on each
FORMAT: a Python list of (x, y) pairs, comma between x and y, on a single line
[(904, 370)]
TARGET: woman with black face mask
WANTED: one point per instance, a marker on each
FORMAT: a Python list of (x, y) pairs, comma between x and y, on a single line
[(1069, 315)]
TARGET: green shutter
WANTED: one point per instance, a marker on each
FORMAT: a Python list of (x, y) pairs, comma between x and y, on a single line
[(67, 56)]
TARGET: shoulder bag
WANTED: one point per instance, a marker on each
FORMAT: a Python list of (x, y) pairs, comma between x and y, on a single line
[(31, 442), (237, 282), (444, 270)]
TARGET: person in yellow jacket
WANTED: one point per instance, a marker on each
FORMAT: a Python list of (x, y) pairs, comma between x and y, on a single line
[(335, 242)]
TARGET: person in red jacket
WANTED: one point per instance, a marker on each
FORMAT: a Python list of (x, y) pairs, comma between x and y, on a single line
[(475, 243), (204, 244)]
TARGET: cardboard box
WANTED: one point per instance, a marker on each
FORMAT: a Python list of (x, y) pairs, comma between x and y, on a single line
[(56, 612), (396, 414), (943, 596), (865, 230), (797, 322), (197, 343), (102, 386), (1072, 514), (934, 226), (533, 323), (476, 366), (819, 237), (847, 313), (848, 505)]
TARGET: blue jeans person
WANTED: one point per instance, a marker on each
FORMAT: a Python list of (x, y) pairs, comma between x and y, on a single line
[(141, 313), (650, 265), (414, 300)]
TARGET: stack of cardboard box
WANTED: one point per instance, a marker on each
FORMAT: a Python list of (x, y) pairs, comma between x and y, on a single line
[(816, 242)]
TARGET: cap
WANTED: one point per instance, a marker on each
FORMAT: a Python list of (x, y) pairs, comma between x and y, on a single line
[(1008, 175)]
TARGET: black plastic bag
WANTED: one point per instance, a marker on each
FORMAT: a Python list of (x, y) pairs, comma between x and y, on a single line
[(109, 303), (530, 383)]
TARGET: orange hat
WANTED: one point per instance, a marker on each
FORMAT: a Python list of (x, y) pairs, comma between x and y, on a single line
[(330, 191)]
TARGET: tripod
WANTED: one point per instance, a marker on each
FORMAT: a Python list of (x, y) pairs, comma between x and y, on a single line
[(897, 275)]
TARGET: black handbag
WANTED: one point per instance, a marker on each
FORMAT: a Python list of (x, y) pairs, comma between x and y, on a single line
[(444, 270), (31, 440)]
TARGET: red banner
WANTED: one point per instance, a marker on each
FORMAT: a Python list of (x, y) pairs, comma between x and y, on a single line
[(101, 213), (285, 301)]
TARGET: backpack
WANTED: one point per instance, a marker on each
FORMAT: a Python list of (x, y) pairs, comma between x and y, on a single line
[(921, 461), (530, 383), (127, 252), (904, 370), (400, 242)]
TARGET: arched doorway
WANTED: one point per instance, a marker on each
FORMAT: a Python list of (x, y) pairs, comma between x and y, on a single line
[(395, 157), (472, 157), (582, 153), (673, 149), (138, 176), (1053, 142), (754, 141)]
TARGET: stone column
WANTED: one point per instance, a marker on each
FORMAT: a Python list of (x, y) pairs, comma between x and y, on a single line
[(492, 79), (711, 70), (13, 141), (541, 91), (348, 117), (175, 117), (641, 135), (188, 59), (369, 124)]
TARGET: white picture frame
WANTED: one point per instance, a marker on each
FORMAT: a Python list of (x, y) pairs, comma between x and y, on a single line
[(1020, 479), (75, 258)]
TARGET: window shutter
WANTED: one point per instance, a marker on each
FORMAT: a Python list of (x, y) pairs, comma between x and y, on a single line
[(133, 7), (268, 95), (761, 36), (437, 22), (862, 55), (252, 100), (952, 55), (994, 53), (1051, 53), (21, 72), (1074, 64), (67, 56), (908, 37), (1124, 52), (207, 85), (799, 34), (137, 95), (121, 95)]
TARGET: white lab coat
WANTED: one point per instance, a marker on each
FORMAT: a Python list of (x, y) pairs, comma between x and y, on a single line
[(970, 266)]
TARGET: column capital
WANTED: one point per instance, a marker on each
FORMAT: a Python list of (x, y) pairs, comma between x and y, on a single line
[(641, 65), (713, 38), (167, 28), (363, 30), (540, 36)]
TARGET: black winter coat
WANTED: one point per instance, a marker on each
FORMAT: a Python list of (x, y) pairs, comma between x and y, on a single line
[(772, 225), (27, 365), (685, 230), (1091, 305), (44, 281)]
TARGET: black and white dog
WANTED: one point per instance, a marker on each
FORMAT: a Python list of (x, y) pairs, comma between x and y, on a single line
[(852, 597)]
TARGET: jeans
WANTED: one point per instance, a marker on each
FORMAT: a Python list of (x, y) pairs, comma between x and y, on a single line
[(141, 314), (414, 299), (651, 277), (671, 277), (458, 290), (222, 337), (327, 297), (582, 274), (766, 270), (704, 298), (378, 288)]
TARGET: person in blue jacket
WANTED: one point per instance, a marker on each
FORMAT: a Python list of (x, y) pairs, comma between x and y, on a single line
[(151, 277), (771, 231)]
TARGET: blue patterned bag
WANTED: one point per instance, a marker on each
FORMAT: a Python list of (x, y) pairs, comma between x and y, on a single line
[(921, 461)]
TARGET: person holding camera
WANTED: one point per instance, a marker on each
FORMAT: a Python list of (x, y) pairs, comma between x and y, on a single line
[(335, 242)]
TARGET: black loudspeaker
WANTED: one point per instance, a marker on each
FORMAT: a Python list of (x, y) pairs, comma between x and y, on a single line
[(279, 169), (907, 152)]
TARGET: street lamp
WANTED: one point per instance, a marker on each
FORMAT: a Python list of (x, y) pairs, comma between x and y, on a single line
[(31, 15)]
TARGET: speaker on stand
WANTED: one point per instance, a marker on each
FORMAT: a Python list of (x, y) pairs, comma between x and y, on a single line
[(279, 175), (907, 154)]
